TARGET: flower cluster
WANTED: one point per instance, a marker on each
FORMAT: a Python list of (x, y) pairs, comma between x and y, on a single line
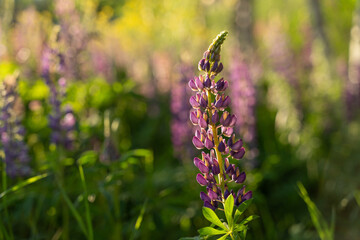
[(12, 132), (215, 131)]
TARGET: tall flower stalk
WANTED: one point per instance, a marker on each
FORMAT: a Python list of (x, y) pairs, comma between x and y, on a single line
[(210, 113)]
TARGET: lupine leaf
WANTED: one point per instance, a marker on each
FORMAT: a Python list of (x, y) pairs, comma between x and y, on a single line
[(190, 238), (88, 157), (209, 231), (23, 184), (243, 206), (224, 237), (239, 227), (229, 206), (243, 234), (210, 215), (248, 219)]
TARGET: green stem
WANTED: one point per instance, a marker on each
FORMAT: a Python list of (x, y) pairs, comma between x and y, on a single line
[(88, 216), (59, 179), (4, 183), (216, 143)]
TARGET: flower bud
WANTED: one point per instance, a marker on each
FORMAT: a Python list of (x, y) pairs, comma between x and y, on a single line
[(214, 66), (215, 167), (201, 180), (219, 68), (239, 154), (198, 83), (215, 117), (221, 146), (212, 194), (207, 82), (205, 197), (195, 104), (192, 85), (201, 165), (201, 65), (193, 118), (209, 144), (197, 143)]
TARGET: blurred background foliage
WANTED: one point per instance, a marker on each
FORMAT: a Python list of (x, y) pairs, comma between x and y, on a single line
[(295, 70)]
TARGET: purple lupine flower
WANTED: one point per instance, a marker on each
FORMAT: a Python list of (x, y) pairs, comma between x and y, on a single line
[(62, 123), (12, 132), (215, 131)]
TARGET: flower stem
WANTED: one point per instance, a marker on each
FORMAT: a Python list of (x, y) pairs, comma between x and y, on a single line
[(216, 143)]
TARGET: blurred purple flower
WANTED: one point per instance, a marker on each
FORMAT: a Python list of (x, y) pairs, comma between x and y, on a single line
[(181, 130), (62, 123), (12, 132), (243, 94)]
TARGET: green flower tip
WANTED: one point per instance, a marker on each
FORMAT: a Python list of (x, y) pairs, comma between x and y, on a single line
[(218, 41), (213, 52)]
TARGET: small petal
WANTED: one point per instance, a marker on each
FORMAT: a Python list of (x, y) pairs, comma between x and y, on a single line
[(239, 154), (219, 68), (202, 123), (215, 117), (205, 197), (247, 196), (193, 102), (214, 66), (221, 146), (207, 65), (207, 82), (215, 167), (237, 145), (201, 65), (208, 143), (241, 178), (197, 143), (208, 205), (201, 165), (192, 85), (226, 102), (198, 83), (193, 118), (201, 180), (212, 195)]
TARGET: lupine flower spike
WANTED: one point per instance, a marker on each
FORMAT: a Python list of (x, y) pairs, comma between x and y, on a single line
[(215, 132)]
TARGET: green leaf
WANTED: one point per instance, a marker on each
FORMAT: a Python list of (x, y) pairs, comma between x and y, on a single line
[(209, 231), (229, 207), (248, 219), (224, 237), (87, 157), (210, 215), (190, 238), (240, 227), (243, 206), (243, 234), (23, 184)]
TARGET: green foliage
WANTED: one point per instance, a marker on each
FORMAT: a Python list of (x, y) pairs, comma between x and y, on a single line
[(231, 228), (325, 231)]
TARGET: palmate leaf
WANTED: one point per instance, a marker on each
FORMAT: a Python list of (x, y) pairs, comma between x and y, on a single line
[(210, 215), (209, 231), (243, 206), (229, 207)]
